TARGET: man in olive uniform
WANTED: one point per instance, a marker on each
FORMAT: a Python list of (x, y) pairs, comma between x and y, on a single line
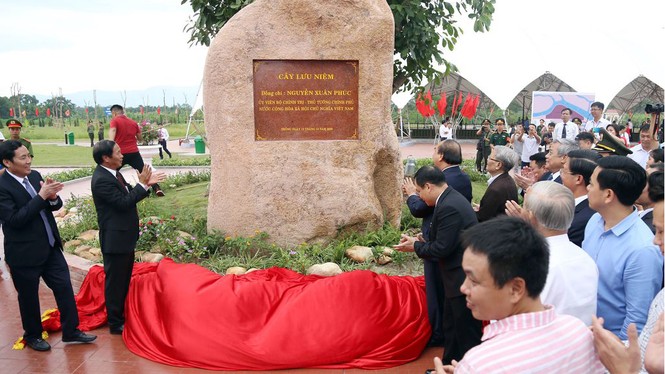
[(500, 136), (15, 134)]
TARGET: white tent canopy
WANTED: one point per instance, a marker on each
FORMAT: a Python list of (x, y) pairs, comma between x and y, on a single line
[(594, 46)]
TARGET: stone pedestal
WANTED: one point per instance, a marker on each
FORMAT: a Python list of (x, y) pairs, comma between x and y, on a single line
[(302, 190)]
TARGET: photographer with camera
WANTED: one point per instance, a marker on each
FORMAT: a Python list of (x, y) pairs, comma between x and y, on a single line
[(648, 137), (483, 148)]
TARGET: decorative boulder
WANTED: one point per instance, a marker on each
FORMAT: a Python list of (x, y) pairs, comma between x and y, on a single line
[(327, 269)]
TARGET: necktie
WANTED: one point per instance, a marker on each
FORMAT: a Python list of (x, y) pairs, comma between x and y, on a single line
[(563, 133), (33, 193), (121, 179)]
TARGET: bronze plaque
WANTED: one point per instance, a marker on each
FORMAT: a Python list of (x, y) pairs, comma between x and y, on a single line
[(305, 100)]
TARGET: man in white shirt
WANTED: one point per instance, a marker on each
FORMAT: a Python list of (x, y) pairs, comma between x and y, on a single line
[(572, 279), (565, 129), (647, 144), (598, 121), (529, 144), (445, 131)]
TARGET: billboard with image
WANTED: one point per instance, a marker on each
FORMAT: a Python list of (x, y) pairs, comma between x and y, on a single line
[(548, 105)]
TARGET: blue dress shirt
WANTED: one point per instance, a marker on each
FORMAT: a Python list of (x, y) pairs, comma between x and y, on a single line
[(630, 270)]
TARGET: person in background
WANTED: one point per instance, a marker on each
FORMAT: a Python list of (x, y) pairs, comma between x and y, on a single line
[(483, 148), (501, 186), (576, 175), (14, 127), (614, 130), (585, 140), (529, 143), (516, 131), (506, 264), (162, 139), (578, 122), (91, 133), (125, 132), (546, 138), (647, 144), (500, 136), (624, 135), (445, 131), (597, 122), (655, 156), (565, 129), (644, 203), (100, 131)]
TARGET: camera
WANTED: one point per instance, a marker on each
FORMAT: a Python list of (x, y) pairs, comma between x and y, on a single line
[(657, 108)]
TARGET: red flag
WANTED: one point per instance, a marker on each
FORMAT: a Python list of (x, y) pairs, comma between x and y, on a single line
[(159, 110), (11, 112), (441, 105), (459, 101), (452, 109), (141, 110), (48, 112), (36, 112), (422, 107), (67, 112), (474, 106), (465, 108), (86, 110)]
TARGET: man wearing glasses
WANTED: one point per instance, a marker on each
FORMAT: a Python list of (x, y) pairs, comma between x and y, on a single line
[(594, 125)]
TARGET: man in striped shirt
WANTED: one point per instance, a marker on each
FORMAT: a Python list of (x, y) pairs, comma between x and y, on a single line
[(505, 263)]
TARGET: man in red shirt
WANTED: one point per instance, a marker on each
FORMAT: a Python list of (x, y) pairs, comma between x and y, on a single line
[(125, 132)]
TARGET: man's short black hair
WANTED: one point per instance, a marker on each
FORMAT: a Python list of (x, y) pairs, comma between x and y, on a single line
[(570, 111), (514, 249), (102, 148), (598, 104), (657, 154), (429, 174), (623, 176), (585, 136), (117, 108), (8, 149), (540, 158), (645, 128), (451, 151), (583, 162), (656, 186)]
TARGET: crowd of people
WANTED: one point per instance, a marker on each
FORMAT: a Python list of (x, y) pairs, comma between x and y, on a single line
[(564, 281)]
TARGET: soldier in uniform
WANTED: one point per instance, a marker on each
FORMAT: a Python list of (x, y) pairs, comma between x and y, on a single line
[(15, 134)]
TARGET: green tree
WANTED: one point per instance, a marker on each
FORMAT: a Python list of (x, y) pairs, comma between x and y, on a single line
[(423, 29), (59, 105)]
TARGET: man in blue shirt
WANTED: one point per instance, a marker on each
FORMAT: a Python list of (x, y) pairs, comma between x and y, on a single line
[(630, 267)]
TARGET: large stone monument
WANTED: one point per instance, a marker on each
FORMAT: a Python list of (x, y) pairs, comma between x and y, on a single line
[(297, 110)]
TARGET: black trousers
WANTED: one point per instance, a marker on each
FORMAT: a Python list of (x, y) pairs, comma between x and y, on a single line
[(435, 294), (55, 273), (163, 144), (136, 161), (481, 156), (461, 331), (118, 270), (92, 138)]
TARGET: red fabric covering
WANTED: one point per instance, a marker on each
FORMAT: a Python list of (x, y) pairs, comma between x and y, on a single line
[(185, 315)]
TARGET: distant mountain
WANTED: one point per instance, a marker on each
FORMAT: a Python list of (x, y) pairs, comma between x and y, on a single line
[(153, 95)]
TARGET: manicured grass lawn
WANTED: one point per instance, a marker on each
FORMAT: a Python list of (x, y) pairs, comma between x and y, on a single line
[(56, 155)]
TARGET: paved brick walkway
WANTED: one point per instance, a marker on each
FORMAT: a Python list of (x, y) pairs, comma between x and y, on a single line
[(108, 353)]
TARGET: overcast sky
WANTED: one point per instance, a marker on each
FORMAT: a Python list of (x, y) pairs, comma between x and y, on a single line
[(82, 45), (78, 45)]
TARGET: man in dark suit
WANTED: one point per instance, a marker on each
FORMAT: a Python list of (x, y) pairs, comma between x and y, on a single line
[(557, 156), (448, 158), (576, 175), (33, 248), (452, 214), (115, 201)]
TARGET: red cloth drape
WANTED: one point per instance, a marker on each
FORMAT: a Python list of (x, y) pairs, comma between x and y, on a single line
[(185, 315)]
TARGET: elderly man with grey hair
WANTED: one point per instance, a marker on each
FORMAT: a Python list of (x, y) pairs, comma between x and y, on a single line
[(501, 187), (572, 279), (557, 156)]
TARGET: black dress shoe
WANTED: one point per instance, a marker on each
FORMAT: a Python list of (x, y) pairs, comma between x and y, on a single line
[(79, 337), (38, 344), (117, 330)]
